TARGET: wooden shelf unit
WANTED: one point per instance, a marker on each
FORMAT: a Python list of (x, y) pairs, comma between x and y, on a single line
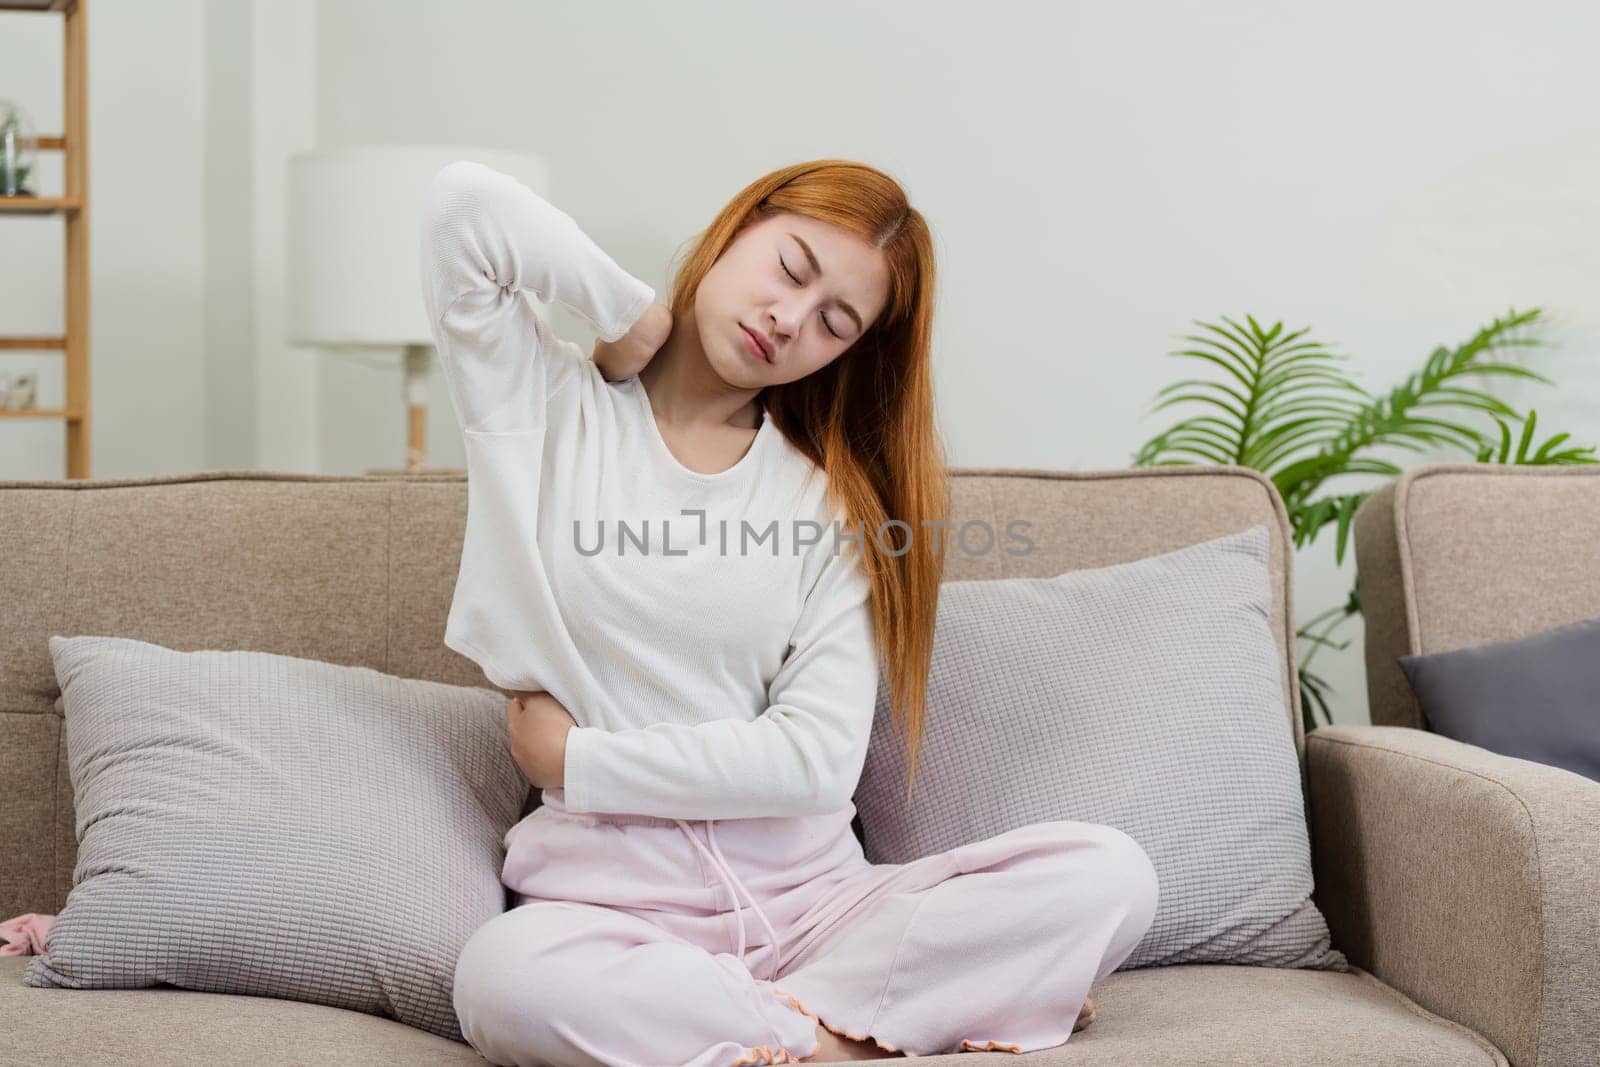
[(73, 207)]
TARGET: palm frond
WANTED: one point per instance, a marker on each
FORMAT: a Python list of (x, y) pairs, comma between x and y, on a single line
[(1313, 695), (1283, 390), (1488, 454)]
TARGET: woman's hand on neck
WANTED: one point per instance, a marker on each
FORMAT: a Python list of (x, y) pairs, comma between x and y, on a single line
[(630, 353)]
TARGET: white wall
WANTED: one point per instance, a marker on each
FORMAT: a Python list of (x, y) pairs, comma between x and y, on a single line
[(1391, 175), (230, 198), (284, 89)]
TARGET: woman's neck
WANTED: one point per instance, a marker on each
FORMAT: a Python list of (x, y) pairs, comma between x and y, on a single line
[(686, 393)]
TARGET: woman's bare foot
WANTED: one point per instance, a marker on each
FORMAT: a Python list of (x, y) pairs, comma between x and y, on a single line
[(836, 1049), (832, 1048), (1085, 1015)]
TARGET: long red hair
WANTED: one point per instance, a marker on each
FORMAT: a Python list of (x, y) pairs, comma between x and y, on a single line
[(867, 418)]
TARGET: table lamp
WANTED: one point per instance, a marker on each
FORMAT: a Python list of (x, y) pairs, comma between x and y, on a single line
[(355, 217)]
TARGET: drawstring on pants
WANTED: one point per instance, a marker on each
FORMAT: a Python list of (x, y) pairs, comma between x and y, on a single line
[(731, 880)]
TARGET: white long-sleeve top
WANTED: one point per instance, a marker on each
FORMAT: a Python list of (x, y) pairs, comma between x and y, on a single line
[(719, 665)]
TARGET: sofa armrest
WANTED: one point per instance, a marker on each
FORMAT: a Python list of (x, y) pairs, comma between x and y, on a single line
[(1468, 880)]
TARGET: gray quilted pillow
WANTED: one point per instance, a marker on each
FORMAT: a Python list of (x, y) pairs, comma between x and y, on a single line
[(257, 824), (1147, 696)]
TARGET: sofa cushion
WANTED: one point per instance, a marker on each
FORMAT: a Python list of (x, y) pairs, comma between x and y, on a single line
[(177, 1027), (253, 823), (1215, 1014), (1531, 697), (1192, 1014), (1147, 696)]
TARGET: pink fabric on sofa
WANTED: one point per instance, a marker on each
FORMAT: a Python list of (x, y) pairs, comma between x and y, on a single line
[(24, 935)]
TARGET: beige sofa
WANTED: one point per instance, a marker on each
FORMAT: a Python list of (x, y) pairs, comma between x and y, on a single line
[(1448, 873), (1503, 933)]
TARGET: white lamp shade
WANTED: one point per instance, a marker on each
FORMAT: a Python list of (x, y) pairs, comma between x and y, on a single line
[(355, 217)]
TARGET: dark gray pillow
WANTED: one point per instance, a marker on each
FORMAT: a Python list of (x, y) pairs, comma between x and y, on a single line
[(1535, 697), (1147, 696), (257, 824)]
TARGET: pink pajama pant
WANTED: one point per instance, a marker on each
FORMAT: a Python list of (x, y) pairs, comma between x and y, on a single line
[(637, 940)]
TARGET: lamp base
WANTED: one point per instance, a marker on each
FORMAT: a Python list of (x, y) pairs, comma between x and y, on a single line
[(417, 360)]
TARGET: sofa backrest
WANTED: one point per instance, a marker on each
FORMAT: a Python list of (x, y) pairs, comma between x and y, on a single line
[(1451, 555), (360, 570)]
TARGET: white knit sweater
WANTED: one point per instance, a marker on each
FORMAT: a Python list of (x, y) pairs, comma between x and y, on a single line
[(719, 665)]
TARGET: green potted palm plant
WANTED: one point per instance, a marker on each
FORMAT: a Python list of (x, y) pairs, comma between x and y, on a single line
[(1283, 406)]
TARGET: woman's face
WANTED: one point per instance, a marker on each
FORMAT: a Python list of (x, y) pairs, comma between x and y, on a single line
[(798, 304)]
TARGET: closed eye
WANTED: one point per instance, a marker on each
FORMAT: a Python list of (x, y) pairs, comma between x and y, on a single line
[(797, 281)]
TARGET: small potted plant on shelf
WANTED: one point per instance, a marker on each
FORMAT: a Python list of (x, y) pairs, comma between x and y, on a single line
[(18, 149)]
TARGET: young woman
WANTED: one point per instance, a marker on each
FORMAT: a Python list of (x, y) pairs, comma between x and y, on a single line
[(681, 557)]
